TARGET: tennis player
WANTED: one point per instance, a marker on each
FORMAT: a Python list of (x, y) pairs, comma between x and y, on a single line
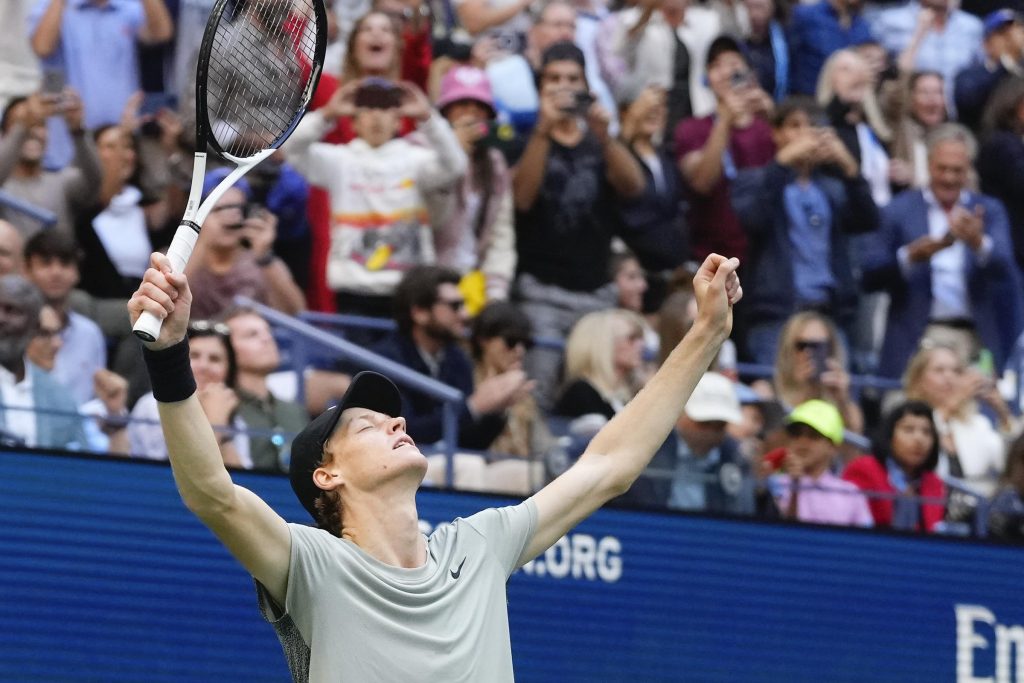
[(366, 596)]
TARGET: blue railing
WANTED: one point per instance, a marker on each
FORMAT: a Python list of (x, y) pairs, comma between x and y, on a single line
[(47, 218), (301, 331)]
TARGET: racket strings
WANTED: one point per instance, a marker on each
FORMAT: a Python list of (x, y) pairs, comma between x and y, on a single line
[(259, 72)]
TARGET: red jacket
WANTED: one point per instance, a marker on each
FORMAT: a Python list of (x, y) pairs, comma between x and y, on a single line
[(870, 476)]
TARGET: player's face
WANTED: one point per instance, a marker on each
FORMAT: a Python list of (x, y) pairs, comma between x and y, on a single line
[(372, 448)]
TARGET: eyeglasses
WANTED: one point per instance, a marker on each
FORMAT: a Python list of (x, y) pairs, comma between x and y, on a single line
[(512, 341), (455, 304), (808, 344)]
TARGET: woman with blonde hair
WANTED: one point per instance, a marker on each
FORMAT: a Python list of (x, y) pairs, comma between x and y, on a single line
[(811, 363), (603, 357), (972, 448), (846, 91)]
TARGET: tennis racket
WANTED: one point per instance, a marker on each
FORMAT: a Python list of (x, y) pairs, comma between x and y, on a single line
[(259, 63)]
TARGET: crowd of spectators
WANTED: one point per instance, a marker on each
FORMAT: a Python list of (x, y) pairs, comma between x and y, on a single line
[(523, 187)]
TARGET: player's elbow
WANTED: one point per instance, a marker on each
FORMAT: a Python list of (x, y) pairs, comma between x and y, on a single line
[(613, 479), (210, 503)]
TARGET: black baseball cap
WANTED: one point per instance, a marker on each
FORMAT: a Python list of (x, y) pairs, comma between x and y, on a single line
[(369, 390)]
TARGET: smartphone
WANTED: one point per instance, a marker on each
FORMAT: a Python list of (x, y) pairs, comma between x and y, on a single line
[(581, 103), (53, 82), (739, 79), (819, 354), (378, 93)]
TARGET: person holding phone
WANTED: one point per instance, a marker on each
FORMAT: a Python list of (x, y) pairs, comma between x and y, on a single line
[(811, 364), (564, 190), (799, 212)]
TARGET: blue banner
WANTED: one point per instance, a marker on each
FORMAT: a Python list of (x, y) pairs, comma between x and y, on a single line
[(107, 577)]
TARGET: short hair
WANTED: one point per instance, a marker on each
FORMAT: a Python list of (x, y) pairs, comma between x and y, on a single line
[(952, 132), (797, 103), (52, 243), (5, 118), (563, 51), (418, 289), (20, 289), (498, 319), (883, 445)]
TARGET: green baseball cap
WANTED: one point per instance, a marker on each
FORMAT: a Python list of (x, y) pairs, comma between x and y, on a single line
[(821, 416)]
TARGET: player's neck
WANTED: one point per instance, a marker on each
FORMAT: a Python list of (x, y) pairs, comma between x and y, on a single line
[(385, 527)]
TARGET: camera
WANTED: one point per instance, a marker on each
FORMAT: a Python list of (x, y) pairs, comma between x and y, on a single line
[(739, 79), (581, 103)]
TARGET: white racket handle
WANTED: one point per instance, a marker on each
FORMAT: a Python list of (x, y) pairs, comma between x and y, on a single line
[(147, 327)]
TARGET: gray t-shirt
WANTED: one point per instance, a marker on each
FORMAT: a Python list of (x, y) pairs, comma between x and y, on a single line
[(350, 617)]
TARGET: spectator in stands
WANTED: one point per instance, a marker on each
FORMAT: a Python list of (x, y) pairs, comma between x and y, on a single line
[(653, 225), (213, 363), (12, 248), (19, 66), (818, 30), (500, 337), (46, 343), (507, 20), (1003, 58), (811, 364), (972, 449), (235, 255), (767, 48), (114, 231), (412, 18), (902, 469), (430, 312), (933, 35), (845, 89), (712, 149), (925, 110), (805, 488), (22, 148), (632, 286), (663, 45), (257, 356), (564, 190), (474, 232), (798, 212), (515, 77), (1001, 157), (1006, 515), (603, 361), (377, 185), (944, 254), (94, 44), (23, 386), (374, 49), (51, 263), (700, 467)]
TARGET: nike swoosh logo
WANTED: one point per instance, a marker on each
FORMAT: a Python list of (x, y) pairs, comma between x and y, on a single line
[(456, 573)]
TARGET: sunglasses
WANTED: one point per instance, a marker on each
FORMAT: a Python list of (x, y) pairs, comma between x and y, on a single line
[(455, 304), (808, 344), (512, 341), (208, 327)]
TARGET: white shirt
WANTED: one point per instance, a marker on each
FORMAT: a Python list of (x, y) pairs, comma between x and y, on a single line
[(15, 397), (121, 228)]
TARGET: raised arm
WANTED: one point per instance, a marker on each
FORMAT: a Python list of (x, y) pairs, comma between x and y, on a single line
[(158, 27), (248, 527), (623, 448), (476, 16), (46, 36)]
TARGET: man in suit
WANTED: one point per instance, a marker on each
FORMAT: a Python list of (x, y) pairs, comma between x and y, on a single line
[(944, 256), (25, 387), (431, 316)]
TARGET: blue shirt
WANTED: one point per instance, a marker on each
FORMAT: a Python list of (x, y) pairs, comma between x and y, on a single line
[(810, 235), (948, 52), (84, 351), (97, 53), (815, 33), (690, 477)]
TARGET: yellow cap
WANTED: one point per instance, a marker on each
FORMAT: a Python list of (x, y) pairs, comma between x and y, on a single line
[(821, 416)]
